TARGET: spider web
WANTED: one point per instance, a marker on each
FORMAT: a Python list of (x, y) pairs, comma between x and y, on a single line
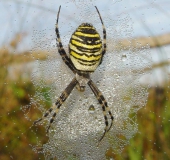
[(76, 129)]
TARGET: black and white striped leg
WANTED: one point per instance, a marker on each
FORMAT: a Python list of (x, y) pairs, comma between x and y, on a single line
[(59, 102), (61, 50), (104, 34), (104, 105)]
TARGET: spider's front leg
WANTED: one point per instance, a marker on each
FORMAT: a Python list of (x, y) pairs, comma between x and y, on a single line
[(59, 102), (104, 105), (61, 50), (104, 35)]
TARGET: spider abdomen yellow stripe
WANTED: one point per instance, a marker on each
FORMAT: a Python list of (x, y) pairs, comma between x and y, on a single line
[(85, 48), (85, 57)]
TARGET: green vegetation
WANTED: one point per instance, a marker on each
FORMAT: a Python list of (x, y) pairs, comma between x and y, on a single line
[(15, 132), (153, 139)]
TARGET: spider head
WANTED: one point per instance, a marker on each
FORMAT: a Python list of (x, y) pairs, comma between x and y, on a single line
[(80, 88), (82, 81)]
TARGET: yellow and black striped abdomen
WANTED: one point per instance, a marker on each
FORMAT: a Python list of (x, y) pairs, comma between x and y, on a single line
[(85, 48)]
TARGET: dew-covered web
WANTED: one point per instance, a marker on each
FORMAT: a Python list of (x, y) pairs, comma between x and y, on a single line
[(80, 122), (84, 3)]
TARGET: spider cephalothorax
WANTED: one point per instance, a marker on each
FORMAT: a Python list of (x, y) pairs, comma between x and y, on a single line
[(86, 51)]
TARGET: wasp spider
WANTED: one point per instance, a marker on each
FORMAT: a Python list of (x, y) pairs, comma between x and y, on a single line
[(86, 51)]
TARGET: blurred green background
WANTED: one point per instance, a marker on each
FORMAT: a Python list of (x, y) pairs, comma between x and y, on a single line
[(152, 142)]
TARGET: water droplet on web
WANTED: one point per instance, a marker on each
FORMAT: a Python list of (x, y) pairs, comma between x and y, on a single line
[(91, 109), (124, 57)]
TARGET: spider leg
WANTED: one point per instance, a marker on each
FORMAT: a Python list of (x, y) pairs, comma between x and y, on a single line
[(104, 105), (104, 34), (61, 50), (59, 102)]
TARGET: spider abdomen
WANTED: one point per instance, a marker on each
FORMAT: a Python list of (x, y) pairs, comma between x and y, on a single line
[(85, 48)]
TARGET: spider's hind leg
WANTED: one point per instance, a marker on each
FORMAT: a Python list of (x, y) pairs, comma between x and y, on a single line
[(45, 115), (58, 103), (104, 105)]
